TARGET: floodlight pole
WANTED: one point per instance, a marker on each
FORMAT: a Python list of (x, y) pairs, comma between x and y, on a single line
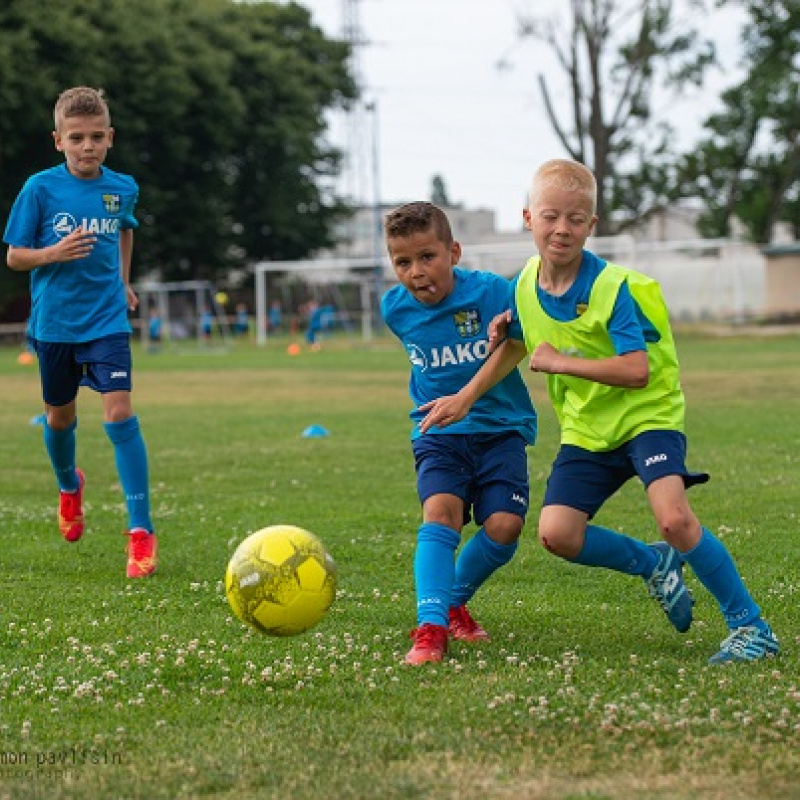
[(377, 222)]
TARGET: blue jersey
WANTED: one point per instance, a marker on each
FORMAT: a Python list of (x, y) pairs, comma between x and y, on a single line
[(447, 344), (82, 300), (628, 327)]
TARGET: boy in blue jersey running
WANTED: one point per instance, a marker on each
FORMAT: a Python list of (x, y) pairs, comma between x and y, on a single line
[(440, 314), (71, 228), (602, 336)]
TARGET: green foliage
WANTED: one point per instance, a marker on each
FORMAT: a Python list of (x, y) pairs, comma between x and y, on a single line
[(748, 166), (219, 109), (613, 59), (151, 689)]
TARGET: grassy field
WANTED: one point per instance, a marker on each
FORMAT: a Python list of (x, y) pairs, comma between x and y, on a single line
[(112, 688)]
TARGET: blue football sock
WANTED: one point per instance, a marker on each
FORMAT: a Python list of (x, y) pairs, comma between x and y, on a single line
[(434, 571), (60, 446), (478, 559), (605, 548), (716, 570), (130, 456)]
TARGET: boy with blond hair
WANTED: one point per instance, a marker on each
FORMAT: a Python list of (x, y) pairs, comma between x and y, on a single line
[(601, 335)]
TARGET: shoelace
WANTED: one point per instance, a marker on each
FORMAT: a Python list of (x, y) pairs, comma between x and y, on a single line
[(738, 640), (655, 586)]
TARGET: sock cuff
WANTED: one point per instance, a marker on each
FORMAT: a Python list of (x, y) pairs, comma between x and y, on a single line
[(496, 552), (122, 431), (707, 555), (436, 532)]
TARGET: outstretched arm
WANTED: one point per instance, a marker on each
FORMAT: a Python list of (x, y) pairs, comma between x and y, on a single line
[(446, 410)]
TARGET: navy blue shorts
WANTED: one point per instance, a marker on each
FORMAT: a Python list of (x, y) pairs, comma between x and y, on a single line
[(489, 472), (584, 480), (102, 364)]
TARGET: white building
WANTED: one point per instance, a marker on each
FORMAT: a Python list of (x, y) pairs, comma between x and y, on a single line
[(701, 279)]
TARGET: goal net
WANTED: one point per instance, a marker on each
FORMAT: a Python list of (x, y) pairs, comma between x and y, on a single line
[(181, 312), (347, 290), (702, 279)]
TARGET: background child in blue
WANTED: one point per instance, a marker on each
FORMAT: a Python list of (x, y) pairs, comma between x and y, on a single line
[(241, 324), (440, 314), (601, 334), (71, 228), (154, 330), (206, 324), (320, 319)]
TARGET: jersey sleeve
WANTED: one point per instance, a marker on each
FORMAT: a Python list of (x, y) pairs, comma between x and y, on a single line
[(514, 330), (23, 220), (625, 326), (128, 219)]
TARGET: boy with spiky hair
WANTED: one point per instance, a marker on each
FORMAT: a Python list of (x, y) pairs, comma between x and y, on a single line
[(602, 336), (71, 228), (479, 466)]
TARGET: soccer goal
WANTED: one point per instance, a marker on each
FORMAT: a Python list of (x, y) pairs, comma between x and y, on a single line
[(349, 289), (180, 312)]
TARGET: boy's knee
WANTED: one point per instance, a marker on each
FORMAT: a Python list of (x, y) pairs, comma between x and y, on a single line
[(117, 407), (60, 418), (674, 523), (552, 541), (503, 528), (564, 542), (117, 415), (680, 528)]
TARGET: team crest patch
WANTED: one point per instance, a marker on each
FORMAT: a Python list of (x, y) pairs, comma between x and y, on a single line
[(467, 322), (581, 309), (111, 203)]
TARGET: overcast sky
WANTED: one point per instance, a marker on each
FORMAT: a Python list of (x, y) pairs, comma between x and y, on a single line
[(456, 95)]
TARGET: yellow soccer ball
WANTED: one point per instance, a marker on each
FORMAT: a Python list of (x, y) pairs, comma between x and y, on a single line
[(281, 580)]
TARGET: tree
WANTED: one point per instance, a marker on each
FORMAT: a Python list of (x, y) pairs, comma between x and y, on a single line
[(613, 56), (220, 111), (748, 166)]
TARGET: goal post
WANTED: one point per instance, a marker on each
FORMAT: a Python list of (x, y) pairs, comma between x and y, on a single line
[(352, 286), (702, 279), (181, 307)]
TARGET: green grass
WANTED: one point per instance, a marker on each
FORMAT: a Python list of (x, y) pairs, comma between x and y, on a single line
[(120, 689)]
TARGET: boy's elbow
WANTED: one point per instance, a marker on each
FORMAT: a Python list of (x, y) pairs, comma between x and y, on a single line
[(13, 259), (640, 378)]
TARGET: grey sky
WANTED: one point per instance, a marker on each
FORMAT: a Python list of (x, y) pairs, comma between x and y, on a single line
[(445, 107)]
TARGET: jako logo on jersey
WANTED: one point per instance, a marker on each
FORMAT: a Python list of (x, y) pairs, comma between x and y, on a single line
[(468, 352), (120, 374), (467, 322), (648, 462), (64, 224), (111, 203), (417, 357)]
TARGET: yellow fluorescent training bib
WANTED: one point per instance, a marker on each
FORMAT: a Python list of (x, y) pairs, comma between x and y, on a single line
[(593, 415)]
